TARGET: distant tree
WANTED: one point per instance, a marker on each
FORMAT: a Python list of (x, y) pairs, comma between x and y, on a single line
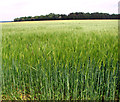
[(76, 15)]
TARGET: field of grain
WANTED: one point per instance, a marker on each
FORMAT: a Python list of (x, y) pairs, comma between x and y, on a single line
[(60, 60)]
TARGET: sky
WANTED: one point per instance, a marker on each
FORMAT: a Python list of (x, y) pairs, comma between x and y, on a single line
[(10, 9)]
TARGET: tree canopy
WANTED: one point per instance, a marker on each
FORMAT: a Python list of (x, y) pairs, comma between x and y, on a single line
[(71, 16)]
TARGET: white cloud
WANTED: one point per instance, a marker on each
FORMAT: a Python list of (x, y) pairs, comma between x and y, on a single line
[(10, 9)]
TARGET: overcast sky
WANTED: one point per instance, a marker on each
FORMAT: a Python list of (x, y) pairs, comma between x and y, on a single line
[(10, 9)]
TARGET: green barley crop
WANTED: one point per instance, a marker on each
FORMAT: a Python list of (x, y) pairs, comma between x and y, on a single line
[(60, 60)]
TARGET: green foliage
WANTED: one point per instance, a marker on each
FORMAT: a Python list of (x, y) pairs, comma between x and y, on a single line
[(76, 15), (64, 60)]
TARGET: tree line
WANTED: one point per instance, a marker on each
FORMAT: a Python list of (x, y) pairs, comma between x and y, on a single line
[(71, 16)]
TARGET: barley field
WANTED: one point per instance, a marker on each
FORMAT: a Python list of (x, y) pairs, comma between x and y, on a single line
[(60, 60)]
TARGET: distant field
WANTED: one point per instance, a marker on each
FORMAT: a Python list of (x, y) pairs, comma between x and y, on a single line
[(51, 60)]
